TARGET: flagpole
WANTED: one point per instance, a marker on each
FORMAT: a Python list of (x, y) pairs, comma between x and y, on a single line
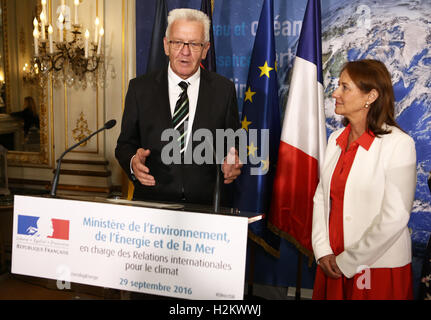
[(251, 261), (298, 277)]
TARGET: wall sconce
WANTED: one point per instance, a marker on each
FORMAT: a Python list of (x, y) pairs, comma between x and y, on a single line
[(31, 74)]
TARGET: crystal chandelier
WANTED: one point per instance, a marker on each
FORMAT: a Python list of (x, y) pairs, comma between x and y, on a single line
[(72, 59)]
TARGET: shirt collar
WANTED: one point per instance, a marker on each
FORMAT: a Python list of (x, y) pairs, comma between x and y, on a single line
[(365, 140), (176, 79)]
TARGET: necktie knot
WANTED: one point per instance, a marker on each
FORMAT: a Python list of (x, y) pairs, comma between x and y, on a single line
[(183, 85)]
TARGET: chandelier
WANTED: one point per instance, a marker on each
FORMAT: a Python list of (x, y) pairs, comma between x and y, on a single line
[(70, 56)]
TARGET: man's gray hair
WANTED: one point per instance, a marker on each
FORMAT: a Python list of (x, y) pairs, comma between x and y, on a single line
[(189, 15)]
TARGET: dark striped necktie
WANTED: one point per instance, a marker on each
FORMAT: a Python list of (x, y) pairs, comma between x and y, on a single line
[(181, 115)]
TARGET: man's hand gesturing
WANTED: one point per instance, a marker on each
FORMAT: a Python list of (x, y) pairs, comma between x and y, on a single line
[(142, 172)]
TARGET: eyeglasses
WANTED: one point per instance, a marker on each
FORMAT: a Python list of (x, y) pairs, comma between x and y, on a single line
[(193, 46)]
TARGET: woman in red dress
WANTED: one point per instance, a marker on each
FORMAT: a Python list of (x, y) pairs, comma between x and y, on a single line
[(363, 201)]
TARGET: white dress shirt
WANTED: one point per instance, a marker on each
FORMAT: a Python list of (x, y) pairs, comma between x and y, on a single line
[(192, 92), (175, 92)]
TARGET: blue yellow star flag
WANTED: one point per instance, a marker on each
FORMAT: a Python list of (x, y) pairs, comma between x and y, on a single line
[(261, 121)]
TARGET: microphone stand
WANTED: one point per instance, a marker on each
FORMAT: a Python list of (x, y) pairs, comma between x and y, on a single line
[(216, 197), (216, 192), (107, 125)]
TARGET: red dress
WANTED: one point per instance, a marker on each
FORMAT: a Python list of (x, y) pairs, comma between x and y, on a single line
[(371, 284)]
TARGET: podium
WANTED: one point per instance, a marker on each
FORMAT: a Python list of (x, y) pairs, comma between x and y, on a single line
[(166, 249)]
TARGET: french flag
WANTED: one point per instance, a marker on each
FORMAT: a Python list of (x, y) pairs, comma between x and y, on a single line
[(43, 227), (303, 139), (61, 229)]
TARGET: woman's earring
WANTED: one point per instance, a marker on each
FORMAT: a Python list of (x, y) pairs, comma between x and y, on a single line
[(367, 105)]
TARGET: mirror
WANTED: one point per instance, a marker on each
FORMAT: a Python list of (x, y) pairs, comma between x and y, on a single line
[(23, 98)]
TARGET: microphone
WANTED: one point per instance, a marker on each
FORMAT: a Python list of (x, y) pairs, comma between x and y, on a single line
[(108, 125)]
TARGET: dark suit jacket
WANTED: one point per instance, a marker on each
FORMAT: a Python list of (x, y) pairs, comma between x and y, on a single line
[(147, 114)]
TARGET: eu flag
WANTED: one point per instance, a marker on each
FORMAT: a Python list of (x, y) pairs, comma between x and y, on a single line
[(261, 120)]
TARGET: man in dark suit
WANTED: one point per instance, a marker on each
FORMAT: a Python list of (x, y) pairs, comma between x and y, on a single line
[(186, 98)]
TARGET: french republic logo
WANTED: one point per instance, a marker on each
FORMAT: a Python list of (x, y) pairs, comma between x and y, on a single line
[(43, 227)]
